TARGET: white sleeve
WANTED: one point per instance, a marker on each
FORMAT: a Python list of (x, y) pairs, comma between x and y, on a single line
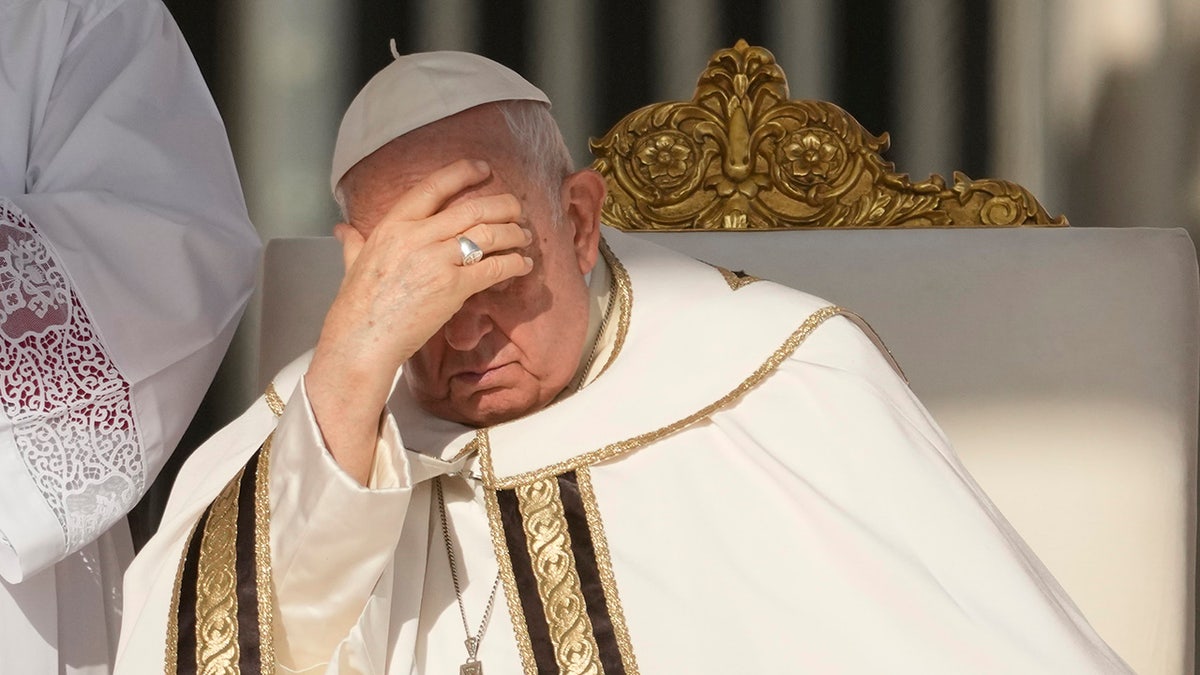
[(125, 264), (331, 538)]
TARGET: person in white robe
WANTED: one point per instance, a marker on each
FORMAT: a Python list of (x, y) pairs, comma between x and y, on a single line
[(126, 259), (576, 453)]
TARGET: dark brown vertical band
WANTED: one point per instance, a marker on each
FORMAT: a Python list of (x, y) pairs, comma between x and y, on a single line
[(589, 574), (217, 623), (186, 613), (523, 574), (249, 656)]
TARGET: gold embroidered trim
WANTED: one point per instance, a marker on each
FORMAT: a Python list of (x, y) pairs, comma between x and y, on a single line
[(622, 447), (216, 614), (171, 658), (616, 614), (470, 447), (262, 559), (274, 401), (216, 593), (736, 280), (622, 290), (549, 543), (500, 545)]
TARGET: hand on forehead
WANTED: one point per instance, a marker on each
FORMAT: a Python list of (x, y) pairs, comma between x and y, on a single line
[(380, 180)]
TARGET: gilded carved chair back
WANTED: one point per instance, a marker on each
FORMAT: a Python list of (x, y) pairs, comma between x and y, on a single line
[(741, 155)]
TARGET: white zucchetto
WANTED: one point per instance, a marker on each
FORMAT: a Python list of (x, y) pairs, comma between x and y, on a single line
[(415, 90)]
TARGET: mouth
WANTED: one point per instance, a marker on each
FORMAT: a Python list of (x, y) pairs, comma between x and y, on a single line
[(482, 378)]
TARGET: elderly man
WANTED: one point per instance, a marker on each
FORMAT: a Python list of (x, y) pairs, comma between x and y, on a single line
[(511, 413)]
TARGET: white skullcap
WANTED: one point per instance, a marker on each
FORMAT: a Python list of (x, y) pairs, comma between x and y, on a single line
[(415, 90)]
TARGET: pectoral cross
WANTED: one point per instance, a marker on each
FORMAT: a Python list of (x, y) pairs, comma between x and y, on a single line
[(473, 666)]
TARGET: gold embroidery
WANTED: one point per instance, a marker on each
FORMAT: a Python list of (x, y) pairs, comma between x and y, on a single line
[(216, 612), (622, 290), (467, 450), (262, 559), (500, 545), (604, 564), (558, 583), (171, 659), (622, 447), (274, 401), (217, 648), (736, 280)]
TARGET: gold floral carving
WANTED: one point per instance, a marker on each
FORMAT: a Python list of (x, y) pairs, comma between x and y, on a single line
[(741, 155)]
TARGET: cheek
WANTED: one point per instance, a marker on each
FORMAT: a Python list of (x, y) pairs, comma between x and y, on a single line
[(421, 369)]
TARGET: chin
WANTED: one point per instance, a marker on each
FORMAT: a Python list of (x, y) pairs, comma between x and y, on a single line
[(493, 407)]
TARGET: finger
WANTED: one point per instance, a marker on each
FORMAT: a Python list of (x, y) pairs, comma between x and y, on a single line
[(491, 238), (493, 270), (429, 195), (351, 241), (462, 216)]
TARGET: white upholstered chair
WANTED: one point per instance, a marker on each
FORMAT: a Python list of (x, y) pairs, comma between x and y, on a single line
[(1063, 362)]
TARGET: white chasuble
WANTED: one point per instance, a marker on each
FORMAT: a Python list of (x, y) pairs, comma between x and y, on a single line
[(126, 259), (746, 485)]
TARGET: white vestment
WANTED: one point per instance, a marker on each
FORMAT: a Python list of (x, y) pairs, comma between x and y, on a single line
[(126, 259), (747, 487)]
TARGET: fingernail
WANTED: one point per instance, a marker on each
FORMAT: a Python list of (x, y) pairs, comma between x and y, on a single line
[(528, 262), (482, 165), (528, 235)]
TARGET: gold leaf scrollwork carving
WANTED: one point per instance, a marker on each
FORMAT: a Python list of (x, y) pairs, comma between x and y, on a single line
[(741, 155)]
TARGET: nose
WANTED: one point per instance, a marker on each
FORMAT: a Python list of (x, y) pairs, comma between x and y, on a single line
[(468, 326)]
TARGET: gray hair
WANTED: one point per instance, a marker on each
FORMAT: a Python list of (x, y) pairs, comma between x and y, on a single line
[(543, 155)]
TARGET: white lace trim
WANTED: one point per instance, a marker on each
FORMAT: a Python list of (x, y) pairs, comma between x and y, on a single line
[(70, 407)]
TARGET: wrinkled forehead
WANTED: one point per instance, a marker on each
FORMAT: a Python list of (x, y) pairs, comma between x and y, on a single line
[(478, 133), (379, 180)]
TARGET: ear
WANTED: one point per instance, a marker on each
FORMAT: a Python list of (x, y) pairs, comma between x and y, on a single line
[(582, 196)]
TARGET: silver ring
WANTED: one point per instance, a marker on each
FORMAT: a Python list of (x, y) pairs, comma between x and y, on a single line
[(471, 253)]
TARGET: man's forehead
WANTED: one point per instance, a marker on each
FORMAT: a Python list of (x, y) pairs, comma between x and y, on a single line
[(382, 179), (478, 133)]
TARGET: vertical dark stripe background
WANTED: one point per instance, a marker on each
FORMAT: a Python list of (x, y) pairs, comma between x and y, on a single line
[(623, 35), (864, 46), (373, 25), (744, 19), (504, 33), (976, 81), (864, 57)]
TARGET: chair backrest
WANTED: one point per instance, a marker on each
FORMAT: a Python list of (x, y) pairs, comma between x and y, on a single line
[(1062, 362)]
